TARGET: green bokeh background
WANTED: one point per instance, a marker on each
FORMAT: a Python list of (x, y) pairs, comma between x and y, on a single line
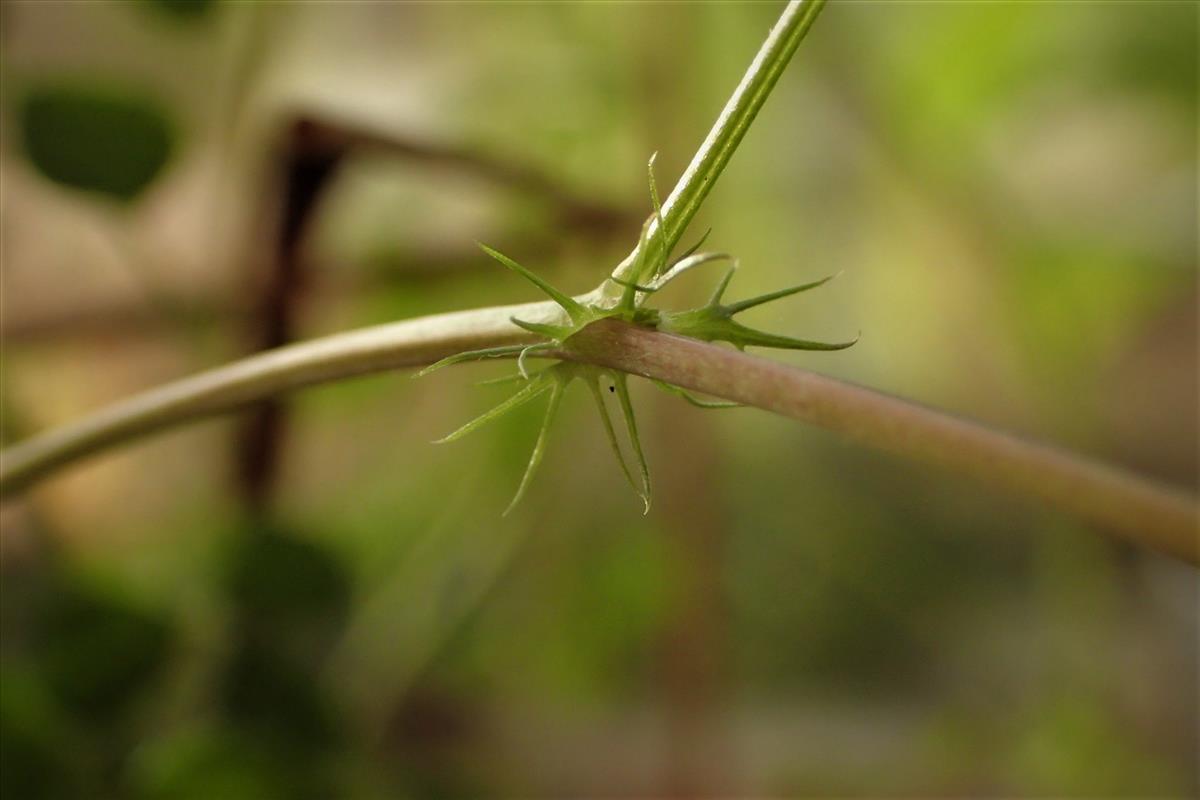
[(1009, 191)]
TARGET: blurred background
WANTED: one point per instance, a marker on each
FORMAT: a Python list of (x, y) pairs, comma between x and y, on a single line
[(311, 600)]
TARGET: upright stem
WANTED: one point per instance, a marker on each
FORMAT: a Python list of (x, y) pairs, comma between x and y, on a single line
[(735, 119), (726, 133)]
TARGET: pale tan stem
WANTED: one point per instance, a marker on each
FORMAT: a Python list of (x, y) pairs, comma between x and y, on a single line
[(1140, 511), (1132, 507), (414, 342)]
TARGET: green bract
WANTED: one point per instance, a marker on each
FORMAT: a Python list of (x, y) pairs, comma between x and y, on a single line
[(651, 270)]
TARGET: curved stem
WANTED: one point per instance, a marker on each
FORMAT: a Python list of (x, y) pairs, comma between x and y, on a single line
[(414, 342), (1142, 512), (417, 341)]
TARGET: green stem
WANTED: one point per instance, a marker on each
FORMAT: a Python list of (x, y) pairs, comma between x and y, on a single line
[(735, 119), (727, 132)]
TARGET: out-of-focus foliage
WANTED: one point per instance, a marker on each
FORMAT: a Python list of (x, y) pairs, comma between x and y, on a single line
[(183, 10), (1010, 192), (95, 138), (99, 650)]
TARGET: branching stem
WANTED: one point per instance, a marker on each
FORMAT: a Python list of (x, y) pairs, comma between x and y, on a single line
[(1142, 512), (411, 342)]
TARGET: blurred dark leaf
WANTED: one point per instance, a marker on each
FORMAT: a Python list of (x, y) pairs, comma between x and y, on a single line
[(277, 700), (288, 591), (99, 650), (24, 587), (34, 763), (93, 138), (1154, 49), (183, 10)]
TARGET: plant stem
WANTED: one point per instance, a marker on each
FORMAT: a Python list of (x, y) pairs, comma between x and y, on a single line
[(1143, 513), (726, 133), (735, 119), (411, 342)]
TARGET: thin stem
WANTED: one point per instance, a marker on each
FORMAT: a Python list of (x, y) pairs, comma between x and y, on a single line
[(1142, 512), (735, 119), (727, 132), (411, 342)]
